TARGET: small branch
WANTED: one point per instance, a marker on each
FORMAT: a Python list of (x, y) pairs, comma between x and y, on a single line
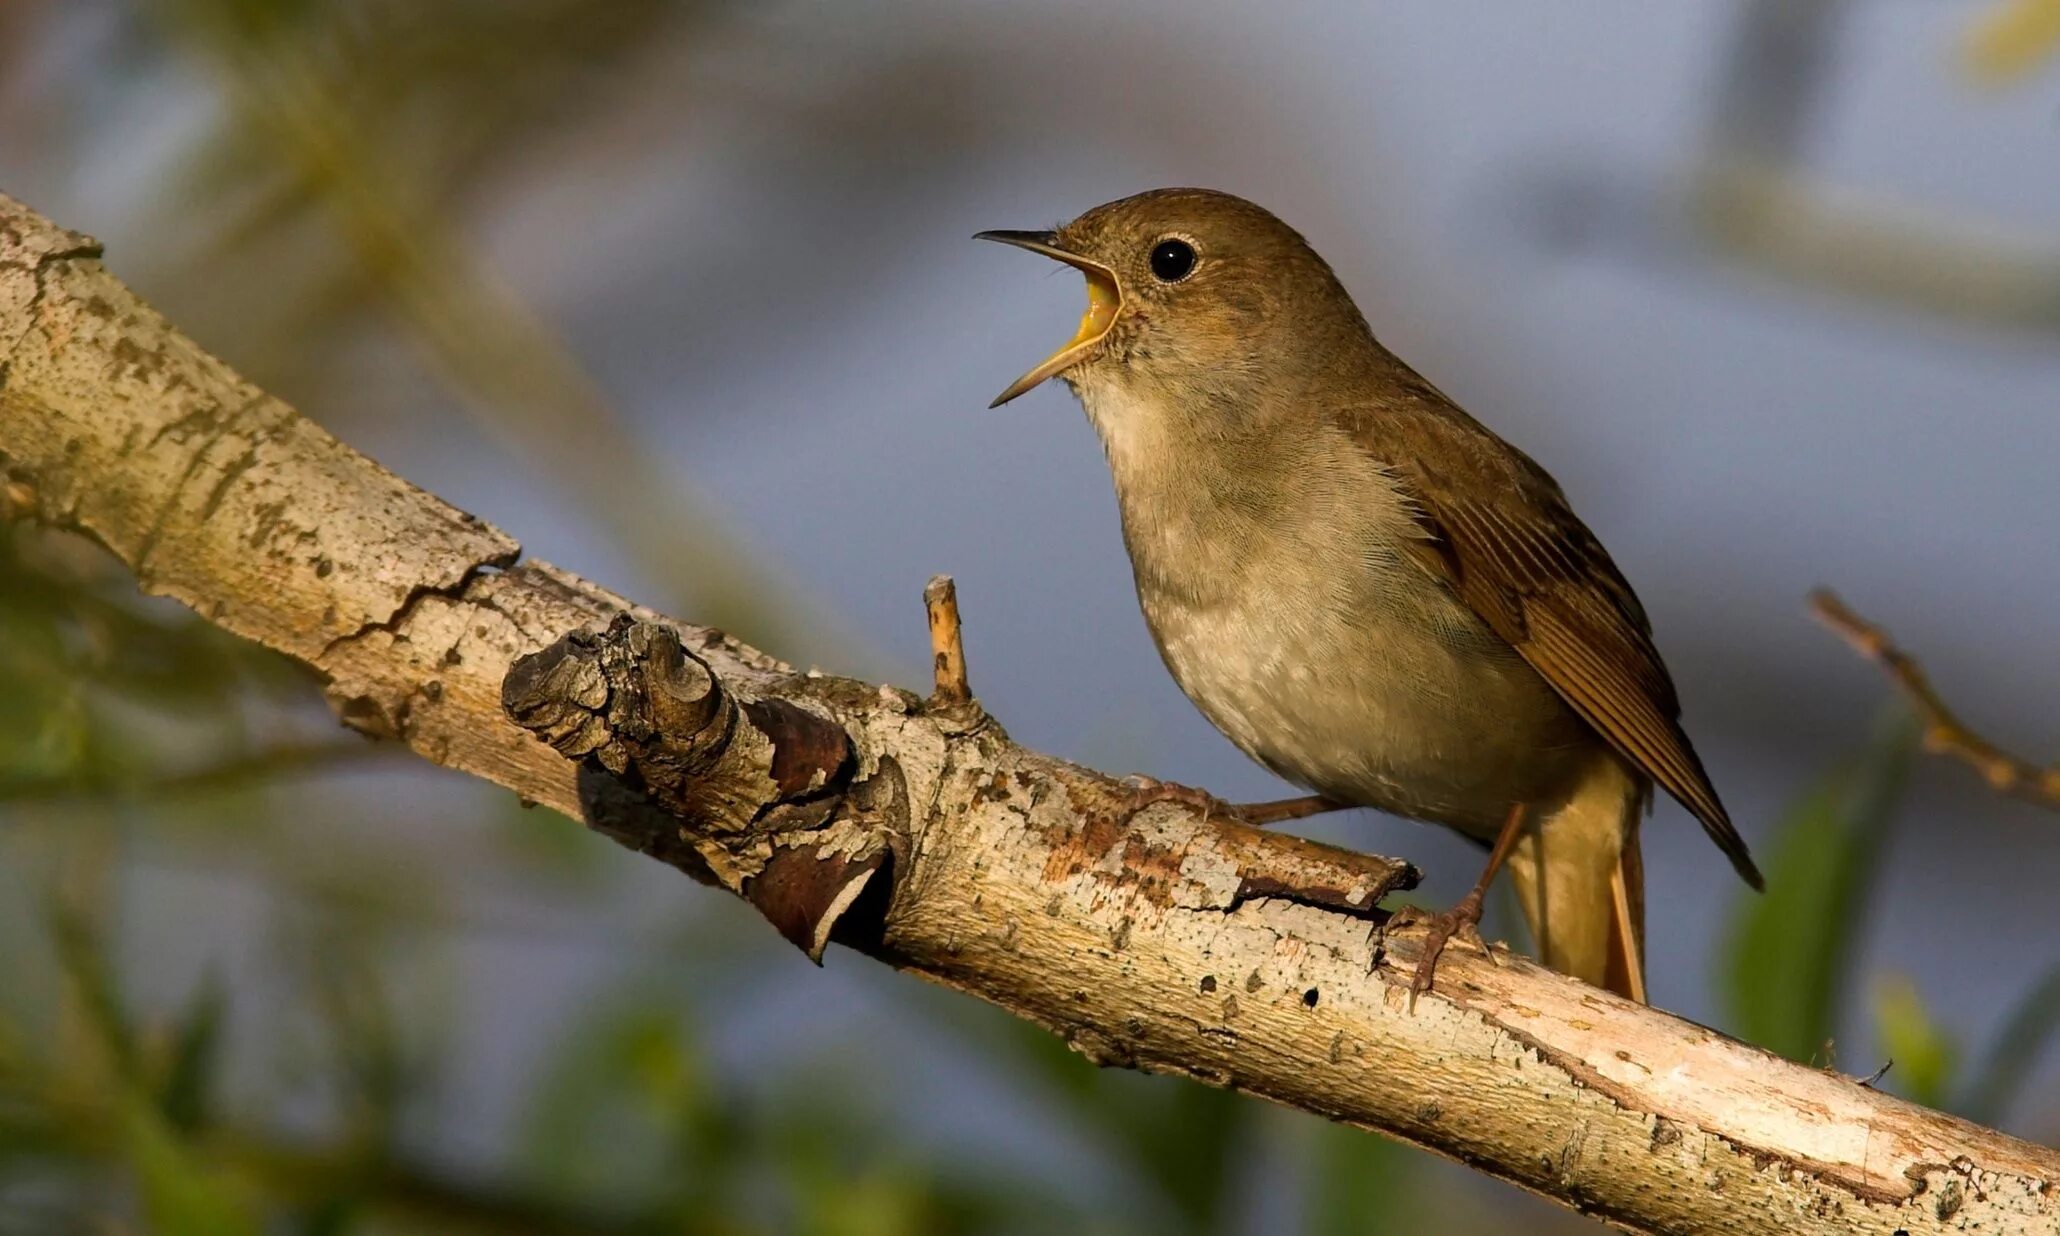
[(947, 650), (1944, 733)]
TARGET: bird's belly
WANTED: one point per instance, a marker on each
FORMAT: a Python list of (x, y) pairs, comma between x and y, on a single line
[(1396, 699)]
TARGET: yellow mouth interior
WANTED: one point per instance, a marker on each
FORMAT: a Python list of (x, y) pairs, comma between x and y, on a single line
[(1102, 302)]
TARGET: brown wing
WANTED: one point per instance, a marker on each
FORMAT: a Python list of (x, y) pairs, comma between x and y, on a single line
[(1499, 532)]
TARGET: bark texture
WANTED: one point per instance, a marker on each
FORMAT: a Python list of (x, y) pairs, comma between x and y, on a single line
[(912, 829)]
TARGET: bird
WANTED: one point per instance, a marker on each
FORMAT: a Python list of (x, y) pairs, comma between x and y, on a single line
[(1360, 585)]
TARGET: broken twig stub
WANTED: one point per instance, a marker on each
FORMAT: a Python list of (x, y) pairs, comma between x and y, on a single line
[(751, 791)]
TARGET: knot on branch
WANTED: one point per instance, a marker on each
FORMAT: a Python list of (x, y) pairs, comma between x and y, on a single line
[(759, 794)]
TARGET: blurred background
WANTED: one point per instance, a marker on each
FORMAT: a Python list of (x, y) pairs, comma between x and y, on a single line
[(679, 292)]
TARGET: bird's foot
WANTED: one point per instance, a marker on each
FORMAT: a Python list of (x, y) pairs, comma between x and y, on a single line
[(1259, 815), (1462, 920), (1149, 792)]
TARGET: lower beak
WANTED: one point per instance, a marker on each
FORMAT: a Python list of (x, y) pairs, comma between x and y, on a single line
[(1104, 298)]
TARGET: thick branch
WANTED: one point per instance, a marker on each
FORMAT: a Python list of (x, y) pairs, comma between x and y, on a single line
[(916, 831), (1944, 733)]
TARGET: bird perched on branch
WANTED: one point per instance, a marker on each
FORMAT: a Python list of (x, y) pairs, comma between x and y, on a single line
[(1364, 588)]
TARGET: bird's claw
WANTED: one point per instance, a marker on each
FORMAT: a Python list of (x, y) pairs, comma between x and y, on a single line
[(1150, 791), (1461, 921)]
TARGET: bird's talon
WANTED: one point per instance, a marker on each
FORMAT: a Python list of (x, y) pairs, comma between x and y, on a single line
[(1487, 950), (1150, 791), (1461, 920)]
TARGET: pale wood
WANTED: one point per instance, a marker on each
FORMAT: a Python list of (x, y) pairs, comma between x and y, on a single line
[(947, 644), (1167, 943)]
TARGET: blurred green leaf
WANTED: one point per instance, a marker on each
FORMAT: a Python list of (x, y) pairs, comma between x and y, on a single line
[(545, 844), (43, 722), (2015, 1051), (1362, 1184), (83, 958), (108, 692), (1785, 960), (838, 1177), (1923, 1052), (837, 1196), (1181, 1141), (873, 1203), (374, 1073), (182, 1196), (627, 1112), (188, 1089)]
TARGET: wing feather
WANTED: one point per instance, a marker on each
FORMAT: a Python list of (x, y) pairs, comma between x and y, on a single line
[(1500, 533)]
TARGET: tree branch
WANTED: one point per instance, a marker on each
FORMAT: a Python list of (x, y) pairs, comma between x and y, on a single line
[(1944, 733), (915, 831), (947, 646)]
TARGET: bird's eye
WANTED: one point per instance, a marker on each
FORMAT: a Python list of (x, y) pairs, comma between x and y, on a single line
[(1172, 259)]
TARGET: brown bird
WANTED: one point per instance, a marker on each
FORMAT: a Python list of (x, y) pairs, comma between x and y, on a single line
[(1359, 584)]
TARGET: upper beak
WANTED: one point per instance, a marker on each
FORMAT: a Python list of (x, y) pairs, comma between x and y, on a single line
[(1104, 298)]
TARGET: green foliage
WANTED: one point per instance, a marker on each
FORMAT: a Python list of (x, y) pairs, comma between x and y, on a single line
[(1788, 967), (112, 694), (1785, 962), (1923, 1051), (632, 1112), (1177, 1143), (1363, 1185), (188, 1089), (182, 1195), (627, 1111), (153, 1106), (93, 987), (2007, 1063)]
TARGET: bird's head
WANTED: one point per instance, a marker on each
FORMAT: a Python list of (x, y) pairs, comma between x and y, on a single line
[(1187, 287)]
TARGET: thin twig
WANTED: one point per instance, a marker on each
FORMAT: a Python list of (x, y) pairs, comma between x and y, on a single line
[(1944, 733), (948, 651)]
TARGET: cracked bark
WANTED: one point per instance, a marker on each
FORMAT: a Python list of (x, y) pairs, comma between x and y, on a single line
[(915, 831)]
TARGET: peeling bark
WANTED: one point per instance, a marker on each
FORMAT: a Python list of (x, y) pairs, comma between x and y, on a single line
[(915, 831)]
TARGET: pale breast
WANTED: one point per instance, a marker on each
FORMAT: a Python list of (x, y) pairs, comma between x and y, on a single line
[(1283, 602)]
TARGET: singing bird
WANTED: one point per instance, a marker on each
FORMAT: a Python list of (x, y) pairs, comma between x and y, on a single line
[(1359, 584)]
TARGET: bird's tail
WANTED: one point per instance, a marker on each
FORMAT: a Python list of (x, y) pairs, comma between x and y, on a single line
[(1581, 882)]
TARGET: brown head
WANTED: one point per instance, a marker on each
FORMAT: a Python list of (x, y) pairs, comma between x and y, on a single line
[(1199, 295)]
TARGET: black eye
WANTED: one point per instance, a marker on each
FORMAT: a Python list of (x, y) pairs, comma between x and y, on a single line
[(1172, 259)]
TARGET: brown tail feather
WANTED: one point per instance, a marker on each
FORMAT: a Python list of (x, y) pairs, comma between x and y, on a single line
[(1626, 973), (1580, 881)]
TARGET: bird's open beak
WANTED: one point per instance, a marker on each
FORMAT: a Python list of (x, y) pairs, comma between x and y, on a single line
[(1104, 298)]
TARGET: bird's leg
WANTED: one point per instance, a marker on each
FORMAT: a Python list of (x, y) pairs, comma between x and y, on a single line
[(1463, 919), (1150, 790), (1280, 810)]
